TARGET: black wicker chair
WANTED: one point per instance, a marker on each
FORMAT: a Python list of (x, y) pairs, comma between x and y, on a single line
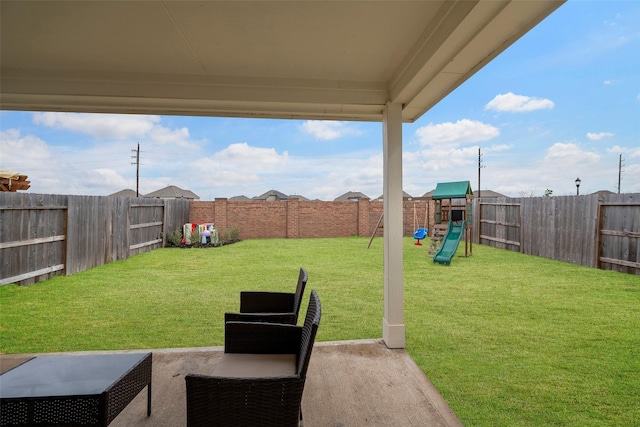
[(271, 307), (260, 379)]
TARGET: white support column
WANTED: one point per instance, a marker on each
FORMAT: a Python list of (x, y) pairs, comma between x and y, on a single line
[(393, 321)]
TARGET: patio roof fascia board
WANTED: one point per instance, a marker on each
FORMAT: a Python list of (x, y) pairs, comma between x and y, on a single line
[(26, 90), (45, 103), (418, 66), (491, 21)]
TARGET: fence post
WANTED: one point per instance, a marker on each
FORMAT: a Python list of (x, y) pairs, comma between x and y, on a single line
[(65, 227), (598, 230), (220, 214), (128, 228), (293, 220), (165, 202), (364, 217)]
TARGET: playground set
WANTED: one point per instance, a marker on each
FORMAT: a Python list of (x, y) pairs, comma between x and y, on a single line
[(452, 222)]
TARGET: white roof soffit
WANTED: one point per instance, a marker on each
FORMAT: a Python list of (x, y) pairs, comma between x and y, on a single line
[(340, 60)]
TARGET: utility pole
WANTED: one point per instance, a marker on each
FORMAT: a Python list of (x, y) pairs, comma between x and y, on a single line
[(478, 217), (479, 167), (619, 173), (137, 163)]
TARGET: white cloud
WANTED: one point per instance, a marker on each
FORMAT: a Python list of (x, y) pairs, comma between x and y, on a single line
[(461, 132), (160, 145), (450, 158), (500, 147), (100, 126), (510, 102), (565, 154), (239, 164), (96, 169), (632, 152), (599, 136), (243, 153), (178, 137), (29, 155), (20, 152), (102, 178), (328, 129), (631, 179)]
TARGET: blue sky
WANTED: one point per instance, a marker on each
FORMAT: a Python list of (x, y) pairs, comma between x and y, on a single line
[(562, 102)]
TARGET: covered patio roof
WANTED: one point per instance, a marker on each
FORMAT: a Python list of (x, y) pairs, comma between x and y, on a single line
[(308, 59)]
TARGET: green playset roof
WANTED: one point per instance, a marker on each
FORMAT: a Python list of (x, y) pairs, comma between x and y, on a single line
[(452, 190)]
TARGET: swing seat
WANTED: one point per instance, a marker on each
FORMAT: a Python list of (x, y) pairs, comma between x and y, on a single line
[(420, 233)]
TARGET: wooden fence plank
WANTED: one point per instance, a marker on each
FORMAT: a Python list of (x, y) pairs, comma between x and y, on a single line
[(32, 274), (31, 242), (620, 262), (506, 224), (147, 224), (26, 208), (623, 233), (143, 244), (506, 242)]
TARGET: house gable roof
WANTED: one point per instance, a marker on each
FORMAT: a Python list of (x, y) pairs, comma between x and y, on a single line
[(405, 195), (271, 195), (351, 195), (173, 192), (125, 193), (489, 194)]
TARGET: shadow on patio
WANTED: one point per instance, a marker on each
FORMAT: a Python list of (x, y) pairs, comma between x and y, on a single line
[(349, 383)]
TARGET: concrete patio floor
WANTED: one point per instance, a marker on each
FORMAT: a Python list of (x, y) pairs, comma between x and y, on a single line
[(349, 383)]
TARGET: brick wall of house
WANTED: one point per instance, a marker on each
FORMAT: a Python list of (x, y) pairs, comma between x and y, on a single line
[(302, 219)]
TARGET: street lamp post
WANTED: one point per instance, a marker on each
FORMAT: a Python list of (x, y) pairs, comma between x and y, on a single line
[(578, 181)]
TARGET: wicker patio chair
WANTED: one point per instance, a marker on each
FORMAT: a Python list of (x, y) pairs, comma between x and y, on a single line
[(260, 379), (271, 307)]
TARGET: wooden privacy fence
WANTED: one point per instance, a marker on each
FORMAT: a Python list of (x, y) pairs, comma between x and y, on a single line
[(43, 235), (618, 236), (597, 230), (505, 226)]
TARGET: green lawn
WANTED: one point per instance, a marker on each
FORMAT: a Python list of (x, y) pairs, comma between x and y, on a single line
[(508, 339)]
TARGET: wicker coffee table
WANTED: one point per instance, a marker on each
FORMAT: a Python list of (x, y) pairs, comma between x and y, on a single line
[(80, 390)]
